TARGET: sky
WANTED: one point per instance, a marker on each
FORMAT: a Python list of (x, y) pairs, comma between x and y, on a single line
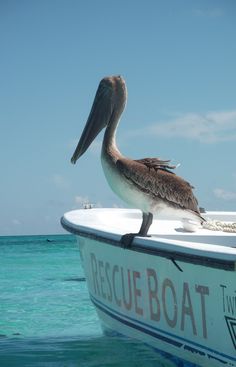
[(178, 59)]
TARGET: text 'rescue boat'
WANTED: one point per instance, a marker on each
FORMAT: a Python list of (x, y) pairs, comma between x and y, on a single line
[(174, 290)]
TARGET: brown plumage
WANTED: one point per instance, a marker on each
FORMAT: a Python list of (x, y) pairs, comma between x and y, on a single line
[(153, 176)]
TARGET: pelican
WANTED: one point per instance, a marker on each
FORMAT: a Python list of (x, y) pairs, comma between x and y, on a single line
[(147, 184)]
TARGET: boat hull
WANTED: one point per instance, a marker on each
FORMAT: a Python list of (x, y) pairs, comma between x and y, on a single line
[(184, 310), (182, 307)]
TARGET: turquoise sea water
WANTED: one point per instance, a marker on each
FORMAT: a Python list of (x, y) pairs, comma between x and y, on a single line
[(46, 317)]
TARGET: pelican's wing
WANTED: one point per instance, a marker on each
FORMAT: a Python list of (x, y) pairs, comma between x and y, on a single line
[(159, 183), (156, 163)]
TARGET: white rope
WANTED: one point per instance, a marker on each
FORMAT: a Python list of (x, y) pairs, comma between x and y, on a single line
[(217, 225)]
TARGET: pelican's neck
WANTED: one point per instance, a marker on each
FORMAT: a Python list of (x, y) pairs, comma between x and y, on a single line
[(109, 147)]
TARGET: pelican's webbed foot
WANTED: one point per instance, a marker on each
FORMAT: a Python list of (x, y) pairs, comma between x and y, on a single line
[(127, 239)]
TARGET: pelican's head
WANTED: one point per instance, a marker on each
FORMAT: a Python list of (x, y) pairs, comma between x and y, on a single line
[(108, 105)]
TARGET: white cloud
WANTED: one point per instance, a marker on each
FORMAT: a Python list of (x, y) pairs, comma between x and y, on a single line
[(59, 181), (47, 218), (55, 203), (209, 13), (16, 222), (224, 194), (116, 205), (81, 200), (210, 127)]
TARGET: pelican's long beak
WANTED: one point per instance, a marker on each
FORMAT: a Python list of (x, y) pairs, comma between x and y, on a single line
[(98, 118)]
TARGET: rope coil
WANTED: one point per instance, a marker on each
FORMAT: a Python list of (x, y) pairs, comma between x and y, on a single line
[(217, 225)]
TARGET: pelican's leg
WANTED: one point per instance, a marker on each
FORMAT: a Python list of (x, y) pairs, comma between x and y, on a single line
[(127, 239), (147, 221)]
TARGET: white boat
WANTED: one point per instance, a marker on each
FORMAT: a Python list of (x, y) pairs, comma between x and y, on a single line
[(175, 290)]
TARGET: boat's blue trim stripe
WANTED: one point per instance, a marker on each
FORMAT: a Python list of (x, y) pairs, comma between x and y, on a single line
[(131, 324), (155, 332)]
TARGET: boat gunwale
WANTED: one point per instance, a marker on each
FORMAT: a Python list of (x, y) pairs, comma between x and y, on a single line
[(202, 260)]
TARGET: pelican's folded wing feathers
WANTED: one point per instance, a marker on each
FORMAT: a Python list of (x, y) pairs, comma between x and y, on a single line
[(156, 164), (153, 176)]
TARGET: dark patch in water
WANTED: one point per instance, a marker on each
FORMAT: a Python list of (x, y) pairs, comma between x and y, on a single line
[(75, 279), (69, 279), (3, 336)]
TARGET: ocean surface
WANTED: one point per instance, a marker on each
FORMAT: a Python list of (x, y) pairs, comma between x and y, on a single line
[(46, 317)]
